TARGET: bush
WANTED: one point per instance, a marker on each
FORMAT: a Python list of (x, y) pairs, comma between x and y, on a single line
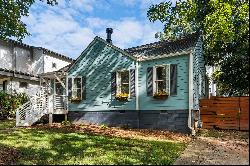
[(10, 102), (66, 123), (103, 126)]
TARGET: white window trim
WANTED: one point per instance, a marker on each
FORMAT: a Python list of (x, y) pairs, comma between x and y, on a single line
[(72, 83), (118, 83), (154, 77)]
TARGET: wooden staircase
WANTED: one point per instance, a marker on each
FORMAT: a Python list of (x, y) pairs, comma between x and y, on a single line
[(31, 111)]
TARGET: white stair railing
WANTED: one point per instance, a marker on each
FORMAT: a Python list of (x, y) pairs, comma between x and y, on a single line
[(31, 111)]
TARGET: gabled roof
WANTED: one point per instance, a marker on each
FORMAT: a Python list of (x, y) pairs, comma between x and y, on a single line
[(183, 45), (97, 38), (165, 48), (44, 49)]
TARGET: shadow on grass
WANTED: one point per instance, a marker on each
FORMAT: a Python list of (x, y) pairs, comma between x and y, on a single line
[(59, 146)]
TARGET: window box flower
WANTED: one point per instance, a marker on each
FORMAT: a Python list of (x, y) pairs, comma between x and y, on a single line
[(122, 97), (75, 99), (162, 95)]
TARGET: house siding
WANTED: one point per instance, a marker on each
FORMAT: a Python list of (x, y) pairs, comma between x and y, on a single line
[(49, 59), (175, 102), (38, 61), (6, 56), (23, 59), (199, 72), (97, 64), (13, 86)]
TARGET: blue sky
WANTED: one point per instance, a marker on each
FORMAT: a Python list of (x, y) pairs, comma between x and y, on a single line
[(71, 25)]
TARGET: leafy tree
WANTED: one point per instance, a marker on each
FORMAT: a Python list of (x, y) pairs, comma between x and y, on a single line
[(11, 12), (224, 25)]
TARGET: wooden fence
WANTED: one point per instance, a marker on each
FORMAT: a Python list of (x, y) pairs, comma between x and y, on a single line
[(225, 113)]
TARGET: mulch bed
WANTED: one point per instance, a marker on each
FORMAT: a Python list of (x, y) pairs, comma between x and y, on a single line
[(8, 155), (146, 134)]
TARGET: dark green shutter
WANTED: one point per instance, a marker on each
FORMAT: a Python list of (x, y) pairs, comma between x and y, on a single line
[(132, 82), (69, 87), (150, 81), (83, 88), (113, 84), (173, 79)]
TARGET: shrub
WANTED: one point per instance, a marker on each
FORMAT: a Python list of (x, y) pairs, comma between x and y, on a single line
[(10, 102), (66, 123), (103, 126)]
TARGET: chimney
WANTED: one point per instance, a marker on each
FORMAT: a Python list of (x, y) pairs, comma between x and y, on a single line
[(109, 31)]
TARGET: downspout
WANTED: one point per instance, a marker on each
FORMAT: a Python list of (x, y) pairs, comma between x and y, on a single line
[(190, 93), (137, 92), (66, 98)]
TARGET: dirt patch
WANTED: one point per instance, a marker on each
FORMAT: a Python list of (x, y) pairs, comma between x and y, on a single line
[(8, 155), (232, 149), (146, 134)]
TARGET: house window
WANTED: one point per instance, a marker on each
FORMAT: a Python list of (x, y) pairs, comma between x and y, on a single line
[(162, 80), (23, 85), (76, 88), (123, 82), (53, 65)]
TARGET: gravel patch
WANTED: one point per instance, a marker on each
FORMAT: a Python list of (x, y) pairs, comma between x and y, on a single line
[(215, 151)]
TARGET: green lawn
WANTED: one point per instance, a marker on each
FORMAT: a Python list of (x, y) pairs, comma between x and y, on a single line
[(60, 146)]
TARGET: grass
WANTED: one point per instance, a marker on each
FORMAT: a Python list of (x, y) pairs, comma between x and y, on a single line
[(60, 146)]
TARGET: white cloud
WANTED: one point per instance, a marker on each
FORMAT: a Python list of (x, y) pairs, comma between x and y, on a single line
[(67, 29)]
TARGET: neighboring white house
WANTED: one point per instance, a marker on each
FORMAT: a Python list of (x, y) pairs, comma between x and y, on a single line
[(20, 65), (211, 86)]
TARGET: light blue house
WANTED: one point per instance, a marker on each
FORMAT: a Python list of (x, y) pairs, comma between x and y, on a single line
[(156, 85), (103, 71)]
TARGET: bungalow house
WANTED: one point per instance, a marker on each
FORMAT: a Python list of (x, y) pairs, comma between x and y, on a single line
[(157, 85)]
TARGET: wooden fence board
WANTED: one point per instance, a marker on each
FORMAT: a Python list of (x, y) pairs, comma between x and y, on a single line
[(225, 113)]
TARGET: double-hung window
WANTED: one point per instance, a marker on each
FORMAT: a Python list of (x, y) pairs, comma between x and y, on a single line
[(123, 84), (162, 80), (76, 88)]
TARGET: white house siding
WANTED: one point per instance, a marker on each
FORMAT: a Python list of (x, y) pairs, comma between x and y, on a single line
[(13, 86), (5, 56), (212, 85), (49, 59), (38, 59), (23, 59)]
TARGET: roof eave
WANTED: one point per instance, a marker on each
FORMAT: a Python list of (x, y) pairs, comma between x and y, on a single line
[(186, 52)]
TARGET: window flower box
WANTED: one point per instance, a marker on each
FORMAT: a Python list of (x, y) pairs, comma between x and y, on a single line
[(122, 97), (161, 95), (75, 99)]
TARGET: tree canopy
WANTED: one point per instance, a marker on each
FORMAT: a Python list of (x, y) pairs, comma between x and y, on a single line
[(11, 12), (224, 25)]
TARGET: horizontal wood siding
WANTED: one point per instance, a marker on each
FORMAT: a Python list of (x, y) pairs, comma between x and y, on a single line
[(198, 75), (225, 113), (175, 102), (96, 65)]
